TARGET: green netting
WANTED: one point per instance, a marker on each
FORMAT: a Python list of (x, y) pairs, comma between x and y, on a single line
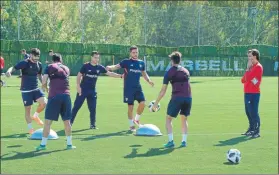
[(200, 60)]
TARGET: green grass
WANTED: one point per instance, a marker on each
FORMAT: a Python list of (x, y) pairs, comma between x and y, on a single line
[(215, 125)]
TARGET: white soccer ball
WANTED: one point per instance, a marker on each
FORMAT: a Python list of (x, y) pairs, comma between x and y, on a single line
[(234, 156), (151, 105)]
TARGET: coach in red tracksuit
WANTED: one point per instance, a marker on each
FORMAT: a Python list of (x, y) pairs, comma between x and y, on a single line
[(252, 81)]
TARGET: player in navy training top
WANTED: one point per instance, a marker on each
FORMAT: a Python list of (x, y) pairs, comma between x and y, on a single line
[(86, 88), (181, 100), (31, 70), (133, 69), (59, 100)]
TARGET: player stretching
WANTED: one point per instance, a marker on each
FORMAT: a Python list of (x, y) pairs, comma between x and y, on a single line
[(86, 89), (31, 70), (133, 69), (59, 100), (181, 100)]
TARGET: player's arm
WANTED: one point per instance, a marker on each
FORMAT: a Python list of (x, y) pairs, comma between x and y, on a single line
[(20, 65), (40, 76), (115, 75), (146, 77), (113, 67), (44, 83), (163, 91), (79, 78)]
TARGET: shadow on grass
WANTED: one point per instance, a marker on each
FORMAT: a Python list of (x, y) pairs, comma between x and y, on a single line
[(16, 136), (150, 153), (233, 141), (120, 133), (229, 163), (14, 146), (27, 155)]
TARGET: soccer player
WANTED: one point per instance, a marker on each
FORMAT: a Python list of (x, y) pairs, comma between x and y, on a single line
[(25, 57), (50, 53), (59, 100), (181, 100), (133, 69), (86, 89), (31, 71), (252, 80)]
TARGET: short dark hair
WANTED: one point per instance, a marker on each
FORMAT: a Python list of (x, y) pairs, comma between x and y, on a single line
[(133, 47), (23, 50), (35, 52), (50, 51), (95, 53), (255, 52), (56, 57), (175, 57)]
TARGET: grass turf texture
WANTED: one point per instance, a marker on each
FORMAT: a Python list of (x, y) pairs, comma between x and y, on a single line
[(215, 125)]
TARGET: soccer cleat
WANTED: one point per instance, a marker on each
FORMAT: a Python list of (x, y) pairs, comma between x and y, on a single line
[(38, 121), (248, 132), (137, 122), (132, 128), (170, 144), (255, 135), (183, 144), (70, 147), (41, 147), (31, 131), (93, 127)]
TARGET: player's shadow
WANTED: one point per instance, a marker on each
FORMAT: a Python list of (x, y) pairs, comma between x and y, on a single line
[(15, 136), (14, 146), (233, 141), (62, 132), (99, 136), (26, 155), (150, 153)]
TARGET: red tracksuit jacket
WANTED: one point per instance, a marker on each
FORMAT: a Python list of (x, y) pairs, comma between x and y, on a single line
[(252, 79)]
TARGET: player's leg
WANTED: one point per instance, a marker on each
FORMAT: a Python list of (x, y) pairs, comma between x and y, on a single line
[(255, 115), (184, 113), (172, 112), (27, 102), (129, 99), (77, 105), (91, 103), (139, 96), (40, 98), (130, 116), (65, 112), (51, 114), (247, 99)]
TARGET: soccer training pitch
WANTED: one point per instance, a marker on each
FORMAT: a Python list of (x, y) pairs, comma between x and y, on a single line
[(216, 122)]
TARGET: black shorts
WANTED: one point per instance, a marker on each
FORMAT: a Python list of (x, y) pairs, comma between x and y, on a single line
[(179, 104)]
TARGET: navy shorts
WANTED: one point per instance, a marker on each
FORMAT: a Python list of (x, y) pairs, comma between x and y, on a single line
[(59, 104), (179, 104), (131, 96), (29, 97)]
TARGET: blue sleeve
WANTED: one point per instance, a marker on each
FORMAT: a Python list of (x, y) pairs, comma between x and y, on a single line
[(166, 78), (41, 68), (21, 65), (83, 69), (46, 70), (26, 56), (103, 69), (143, 66), (123, 64)]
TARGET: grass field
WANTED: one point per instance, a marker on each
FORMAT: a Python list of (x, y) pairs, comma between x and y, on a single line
[(215, 125)]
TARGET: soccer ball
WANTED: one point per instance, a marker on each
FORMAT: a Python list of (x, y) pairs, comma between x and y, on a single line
[(234, 156), (151, 105)]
